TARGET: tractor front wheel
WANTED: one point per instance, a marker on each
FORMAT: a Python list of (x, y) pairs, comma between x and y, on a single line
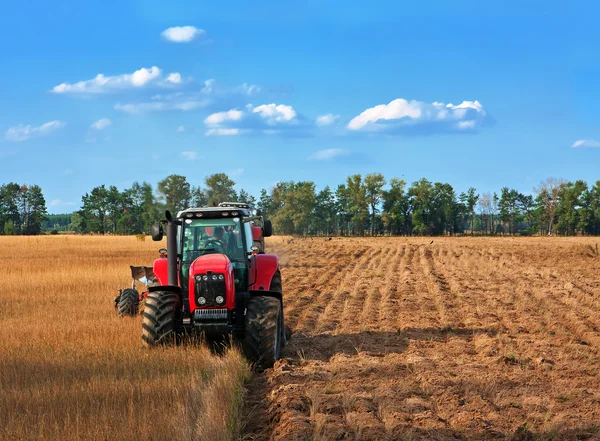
[(128, 303), (262, 340), (159, 326)]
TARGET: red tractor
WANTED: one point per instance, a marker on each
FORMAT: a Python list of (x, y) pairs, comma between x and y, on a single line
[(218, 281)]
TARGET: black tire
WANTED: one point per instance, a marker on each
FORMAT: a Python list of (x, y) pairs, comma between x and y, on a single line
[(262, 339), (277, 286), (159, 326), (128, 303)]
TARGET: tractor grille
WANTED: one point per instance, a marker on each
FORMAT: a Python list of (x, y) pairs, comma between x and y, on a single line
[(210, 314), (209, 290)]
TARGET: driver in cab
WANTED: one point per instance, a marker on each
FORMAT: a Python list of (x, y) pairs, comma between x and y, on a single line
[(217, 240)]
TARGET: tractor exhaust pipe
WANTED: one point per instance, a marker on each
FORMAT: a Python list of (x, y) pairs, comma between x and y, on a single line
[(172, 249)]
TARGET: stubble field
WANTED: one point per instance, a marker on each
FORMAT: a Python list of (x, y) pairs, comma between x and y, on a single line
[(71, 370), (391, 339)]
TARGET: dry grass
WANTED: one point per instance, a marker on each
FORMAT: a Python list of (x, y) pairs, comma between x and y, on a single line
[(466, 338), (71, 370)]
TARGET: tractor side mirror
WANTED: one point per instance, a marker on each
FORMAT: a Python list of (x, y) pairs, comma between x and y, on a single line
[(267, 229), (157, 232)]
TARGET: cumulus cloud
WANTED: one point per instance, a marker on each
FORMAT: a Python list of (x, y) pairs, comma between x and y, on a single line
[(25, 132), (583, 143), (101, 124), (267, 119), (327, 119), (323, 155), (182, 34), (221, 117), (191, 156), (103, 84), (416, 117)]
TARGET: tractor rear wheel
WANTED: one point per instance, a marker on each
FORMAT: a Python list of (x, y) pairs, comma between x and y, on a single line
[(276, 286), (262, 339), (159, 326), (128, 303)]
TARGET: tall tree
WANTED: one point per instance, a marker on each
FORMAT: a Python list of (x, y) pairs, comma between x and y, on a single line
[(357, 197), (95, 207), (396, 208), (374, 183), (219, 188), (175, 191), (548, 196)]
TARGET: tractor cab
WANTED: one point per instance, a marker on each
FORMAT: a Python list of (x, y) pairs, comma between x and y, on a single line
[(217, 278)]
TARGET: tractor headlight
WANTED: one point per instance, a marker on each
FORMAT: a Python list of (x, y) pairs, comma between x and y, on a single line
[(221, 277), (198, 277), (202, 300), (205, 277), (214, 277), (220, 300)]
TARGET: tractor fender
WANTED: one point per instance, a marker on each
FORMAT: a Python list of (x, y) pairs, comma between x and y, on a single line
[(264, 267), (161, 270)]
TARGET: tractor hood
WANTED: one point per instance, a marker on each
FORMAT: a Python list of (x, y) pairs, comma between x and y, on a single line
[(217, 263)]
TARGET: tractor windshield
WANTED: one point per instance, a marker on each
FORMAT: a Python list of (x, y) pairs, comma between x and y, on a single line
[(209, 236)]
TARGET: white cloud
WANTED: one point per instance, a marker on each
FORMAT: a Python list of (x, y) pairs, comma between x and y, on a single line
[(582, 143), (182, 34), (416, 117), (160, 106), (23, 133), (274, 113), (191, 156), (143, 76), (268, 119), (327, 119), (59, 203), (101, 124), (222, 132), (180, 129), (174, 78), (103, 84), (236, 172), (221, 117), (323, 155)]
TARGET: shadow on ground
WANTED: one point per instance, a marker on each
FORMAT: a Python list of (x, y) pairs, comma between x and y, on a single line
[(374, 343)]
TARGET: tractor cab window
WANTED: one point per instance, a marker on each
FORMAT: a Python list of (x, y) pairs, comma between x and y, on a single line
[(210, 236)]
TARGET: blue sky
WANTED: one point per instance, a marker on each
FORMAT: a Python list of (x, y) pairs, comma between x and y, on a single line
[(470, 93)]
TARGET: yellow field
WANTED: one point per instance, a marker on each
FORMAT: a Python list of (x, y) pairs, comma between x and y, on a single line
[(391, 339), (71, 370)]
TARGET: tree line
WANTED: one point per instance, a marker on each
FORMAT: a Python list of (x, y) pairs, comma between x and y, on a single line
[(369, 205)]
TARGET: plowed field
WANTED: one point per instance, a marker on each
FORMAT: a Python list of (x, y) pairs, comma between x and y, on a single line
[(414, 339)]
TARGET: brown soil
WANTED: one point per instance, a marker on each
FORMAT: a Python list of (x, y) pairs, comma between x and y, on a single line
[(404, 339)]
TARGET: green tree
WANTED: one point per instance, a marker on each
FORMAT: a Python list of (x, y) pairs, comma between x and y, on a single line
[(358, 203), (95, 208), (175, 192), (219, 188), (374, 183), (396, 208)]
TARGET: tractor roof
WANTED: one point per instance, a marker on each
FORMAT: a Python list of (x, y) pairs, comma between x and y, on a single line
[(211, 212)]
